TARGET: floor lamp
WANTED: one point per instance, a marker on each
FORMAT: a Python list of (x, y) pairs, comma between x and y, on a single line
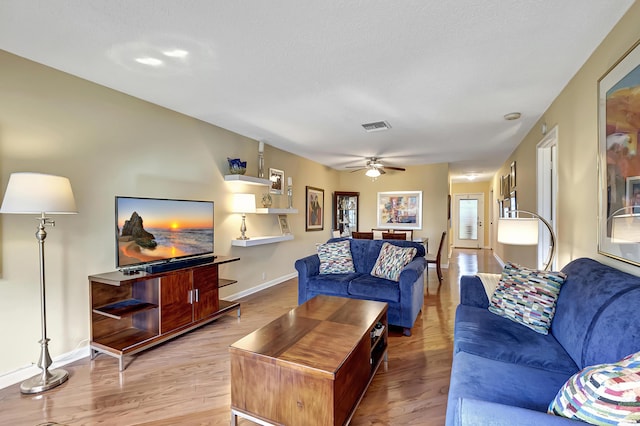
[(36, 193), (523, 231)]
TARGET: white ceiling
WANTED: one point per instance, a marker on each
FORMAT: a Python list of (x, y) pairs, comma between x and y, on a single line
[(303, 75)]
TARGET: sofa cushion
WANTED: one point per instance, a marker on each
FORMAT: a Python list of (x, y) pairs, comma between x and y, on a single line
[(333, 285), (367, 286), (527, 296), (335, 258), (391, 260), (605, 394), (479, 332), (517, 385)]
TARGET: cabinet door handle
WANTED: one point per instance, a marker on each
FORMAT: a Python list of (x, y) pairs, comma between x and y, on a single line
[(191, 297), (197, 290)]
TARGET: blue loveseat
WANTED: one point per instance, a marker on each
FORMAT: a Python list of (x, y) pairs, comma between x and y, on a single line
[(504, 373), (405, 297)]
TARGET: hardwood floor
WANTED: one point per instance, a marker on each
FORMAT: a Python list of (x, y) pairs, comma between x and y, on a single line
[(186, 381)]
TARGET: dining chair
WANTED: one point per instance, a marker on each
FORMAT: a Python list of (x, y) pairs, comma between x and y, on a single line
[(362, 235), (435, 259), (393, 236)]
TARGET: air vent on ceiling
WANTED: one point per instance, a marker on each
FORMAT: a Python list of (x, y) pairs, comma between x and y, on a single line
[(377, 126)]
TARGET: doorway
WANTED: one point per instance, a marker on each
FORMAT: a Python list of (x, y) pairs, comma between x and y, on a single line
[(547, 182), (468, 221)]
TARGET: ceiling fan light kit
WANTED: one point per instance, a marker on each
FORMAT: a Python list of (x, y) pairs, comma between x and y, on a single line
[(374, 168)]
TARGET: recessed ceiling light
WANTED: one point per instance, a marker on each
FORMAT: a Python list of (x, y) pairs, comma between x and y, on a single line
[(147, 60), (176, 53), (512, 116), (471, 177)]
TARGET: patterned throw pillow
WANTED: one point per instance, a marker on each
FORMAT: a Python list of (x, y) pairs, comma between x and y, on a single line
[(527, 296), (605, 394), (335, 258), (391, 260)]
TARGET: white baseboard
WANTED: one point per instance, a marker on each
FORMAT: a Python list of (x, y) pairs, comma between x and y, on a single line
[(28, 371), (21, 374), (261, 287)]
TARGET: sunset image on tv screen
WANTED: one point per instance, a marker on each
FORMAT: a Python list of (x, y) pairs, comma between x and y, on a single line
[(155, 230)]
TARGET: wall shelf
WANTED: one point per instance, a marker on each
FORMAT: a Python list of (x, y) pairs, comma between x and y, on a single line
[(257, 241), (249, 180), (275, 211)]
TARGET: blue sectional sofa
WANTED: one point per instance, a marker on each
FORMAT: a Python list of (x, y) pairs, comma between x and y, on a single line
[(405, 297), (504, 373)]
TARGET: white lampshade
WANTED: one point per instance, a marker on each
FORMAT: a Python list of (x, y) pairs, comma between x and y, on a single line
[(625, 229), (38, 193), (519, 231), (244, 203), (373, 172)]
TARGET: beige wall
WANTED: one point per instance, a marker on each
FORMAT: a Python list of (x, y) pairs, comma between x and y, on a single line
[(476, 188), (110, 144), (430, 179), (575, 112)]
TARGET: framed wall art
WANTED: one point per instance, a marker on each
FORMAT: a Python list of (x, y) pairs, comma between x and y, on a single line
[(314, 210), (277, 181), (400, 210), (618, 134)]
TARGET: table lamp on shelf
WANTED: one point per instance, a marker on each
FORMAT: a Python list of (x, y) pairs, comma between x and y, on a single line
[(244, 203), (42, 194), (523, 231)]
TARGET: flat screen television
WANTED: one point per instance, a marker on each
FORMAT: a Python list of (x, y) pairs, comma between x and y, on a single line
[(154, 230)]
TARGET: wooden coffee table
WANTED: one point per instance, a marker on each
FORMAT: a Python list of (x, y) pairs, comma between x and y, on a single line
[(311, 366)]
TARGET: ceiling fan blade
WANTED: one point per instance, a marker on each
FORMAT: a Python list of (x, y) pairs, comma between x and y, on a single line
[(381, 170), (394, 168), (358, 169)]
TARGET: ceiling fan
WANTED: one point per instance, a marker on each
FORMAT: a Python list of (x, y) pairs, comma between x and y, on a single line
[(374, 167)]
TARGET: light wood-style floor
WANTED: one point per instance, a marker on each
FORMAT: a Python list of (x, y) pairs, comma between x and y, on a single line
[(186, 381)]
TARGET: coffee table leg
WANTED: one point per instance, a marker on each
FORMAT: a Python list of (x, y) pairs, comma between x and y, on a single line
[(234, 419)]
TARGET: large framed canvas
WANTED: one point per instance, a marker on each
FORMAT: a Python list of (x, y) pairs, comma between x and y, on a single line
[(400, 210), (618, 156), (314, 209)]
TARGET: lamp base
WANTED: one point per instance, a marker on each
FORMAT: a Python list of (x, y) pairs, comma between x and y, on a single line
[(242, 237), (51, 379)]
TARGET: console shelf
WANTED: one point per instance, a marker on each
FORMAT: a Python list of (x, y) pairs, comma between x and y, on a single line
[(124, 307), (131, 313)]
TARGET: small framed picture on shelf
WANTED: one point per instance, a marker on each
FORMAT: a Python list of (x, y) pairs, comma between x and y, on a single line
[(283, 221), (277, 181)]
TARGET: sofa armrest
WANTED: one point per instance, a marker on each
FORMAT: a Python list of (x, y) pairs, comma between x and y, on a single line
[(307, 267), (472, 292), (411, 272), (473, 412)]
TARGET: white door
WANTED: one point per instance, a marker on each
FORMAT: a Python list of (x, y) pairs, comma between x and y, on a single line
[(547, 178), (469, 221)]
